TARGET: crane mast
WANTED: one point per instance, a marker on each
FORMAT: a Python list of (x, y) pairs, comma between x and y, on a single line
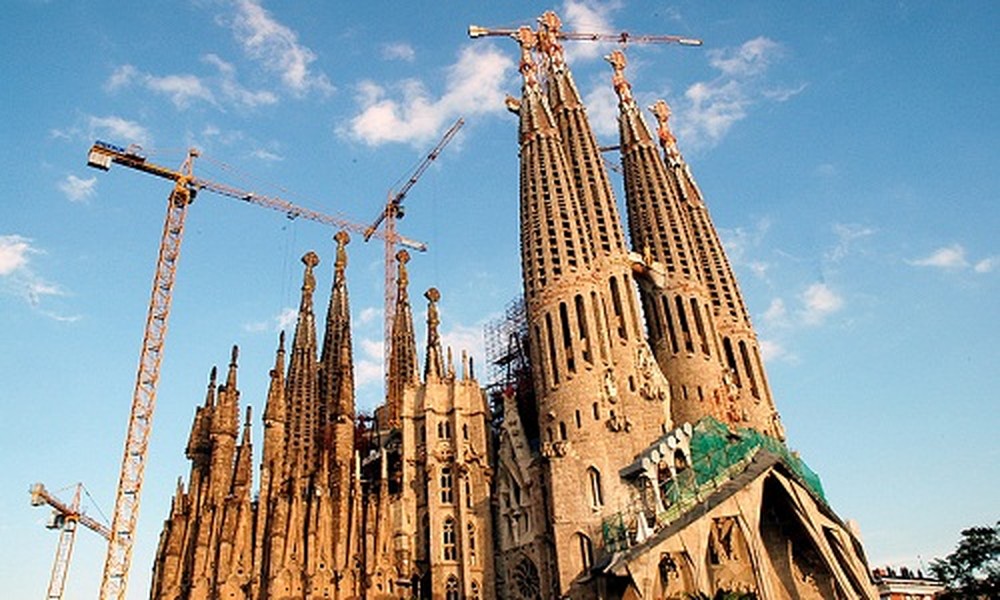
[(392, 211), (65, 518), (186, 186)]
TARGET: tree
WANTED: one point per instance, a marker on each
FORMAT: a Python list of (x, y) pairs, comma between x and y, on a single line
[(972, 571)]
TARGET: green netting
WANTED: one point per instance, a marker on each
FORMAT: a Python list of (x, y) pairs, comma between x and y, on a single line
[(718, 454)]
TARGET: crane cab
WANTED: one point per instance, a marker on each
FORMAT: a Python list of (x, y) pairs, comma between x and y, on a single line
[(99, 159)]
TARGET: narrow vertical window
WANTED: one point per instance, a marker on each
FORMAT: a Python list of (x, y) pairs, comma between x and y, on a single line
[(471, 535), (596, 495), (448, 543), (581, 323), (748, 369), (586, 551), (474, 594), (552, 349), (567, 337), (562, 430), (447, 493), (700, 326), (619, 310), (685, 328), (669, 319), (468, 492), (727, 347)]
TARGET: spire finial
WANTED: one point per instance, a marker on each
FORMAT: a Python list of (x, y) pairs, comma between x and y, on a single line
[(234, 355), (623, 88), (661, 110), (528, 40), (433, 366), (548, 39), (342, 238), (246, 426), (310, 260), (403, 279)]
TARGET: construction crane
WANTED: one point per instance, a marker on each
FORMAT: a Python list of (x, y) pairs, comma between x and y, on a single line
[(65, 518), (186, 186), (624, 38), (392, 211)]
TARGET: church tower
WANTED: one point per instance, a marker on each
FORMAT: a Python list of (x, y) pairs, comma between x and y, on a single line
[(601, 396)]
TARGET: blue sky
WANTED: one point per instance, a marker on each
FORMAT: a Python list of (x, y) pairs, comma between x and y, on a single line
[(847, 150)]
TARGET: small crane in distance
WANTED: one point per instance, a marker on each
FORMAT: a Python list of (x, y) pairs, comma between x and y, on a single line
[(624, 38), (65, 518), (392, 211), (186, 186)]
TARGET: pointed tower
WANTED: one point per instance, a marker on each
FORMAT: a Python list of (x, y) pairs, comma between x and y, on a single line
[(337, 400), (680, 322), (601, 396), (751, 404), (301, 385), (403, 350)]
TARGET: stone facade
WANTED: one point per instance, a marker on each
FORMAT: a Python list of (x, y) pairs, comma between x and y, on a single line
[(637, 453)]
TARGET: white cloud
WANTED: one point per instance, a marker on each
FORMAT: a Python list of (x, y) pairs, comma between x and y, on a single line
[(266, 155), (277, 48), (121, 131), (711, 108), (373, 349), (776, 313), (369, 314), (589, 17), (949, 257), (14, 251), (283, 321), (987, 265), (771, 350), (398, 51), (847, 234), (233, 90), (474, 85), (181, 89), (78, 190), (367, 372), (819, 301), (602, 110), (469, 339), (123, 76), (18, 279)]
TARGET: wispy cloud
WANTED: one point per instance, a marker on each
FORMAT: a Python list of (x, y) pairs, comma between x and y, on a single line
[(76, 189), (948, 257), (186, 89), (590, 17), (399, 51), (602, 110), (368, 368), (953, 258), (712, 107), (283, 321), (233, 90), (119, 130), (847, 235), (474, 85), (266, 155), (818, 302), (17, 278), (277, 48)]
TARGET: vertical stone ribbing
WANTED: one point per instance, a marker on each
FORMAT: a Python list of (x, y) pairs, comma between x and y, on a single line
[(751, 403), (679, 319), (403, 349), (585, 340)]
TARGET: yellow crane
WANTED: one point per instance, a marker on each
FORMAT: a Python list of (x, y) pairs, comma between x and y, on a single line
[(126, 512), (65, 518), (390, 213)]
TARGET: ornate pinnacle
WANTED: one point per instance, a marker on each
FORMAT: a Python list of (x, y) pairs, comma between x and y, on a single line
[(548, 39), (234, 355), (622, 87), (342, 239), (528, 41), (667, 140), (310, 260), (402, 257)]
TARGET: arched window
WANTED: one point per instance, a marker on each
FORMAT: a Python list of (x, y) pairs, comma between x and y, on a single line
[(474, 594), (468, 492), (471, 534), (447, 494), (448, 540), (596, 495), (586, 551), (451, 588)]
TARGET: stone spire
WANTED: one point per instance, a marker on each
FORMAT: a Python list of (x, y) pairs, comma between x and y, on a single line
[(679, 319), (336, 361), (750, 398), (597, 384), (583, 156), (301, 385), (403, 349), (434, 361)]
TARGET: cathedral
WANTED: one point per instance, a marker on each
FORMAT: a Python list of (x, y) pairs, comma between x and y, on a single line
[(633, 450)]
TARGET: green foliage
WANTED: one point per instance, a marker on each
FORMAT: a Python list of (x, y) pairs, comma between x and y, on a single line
[(972, 571)]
